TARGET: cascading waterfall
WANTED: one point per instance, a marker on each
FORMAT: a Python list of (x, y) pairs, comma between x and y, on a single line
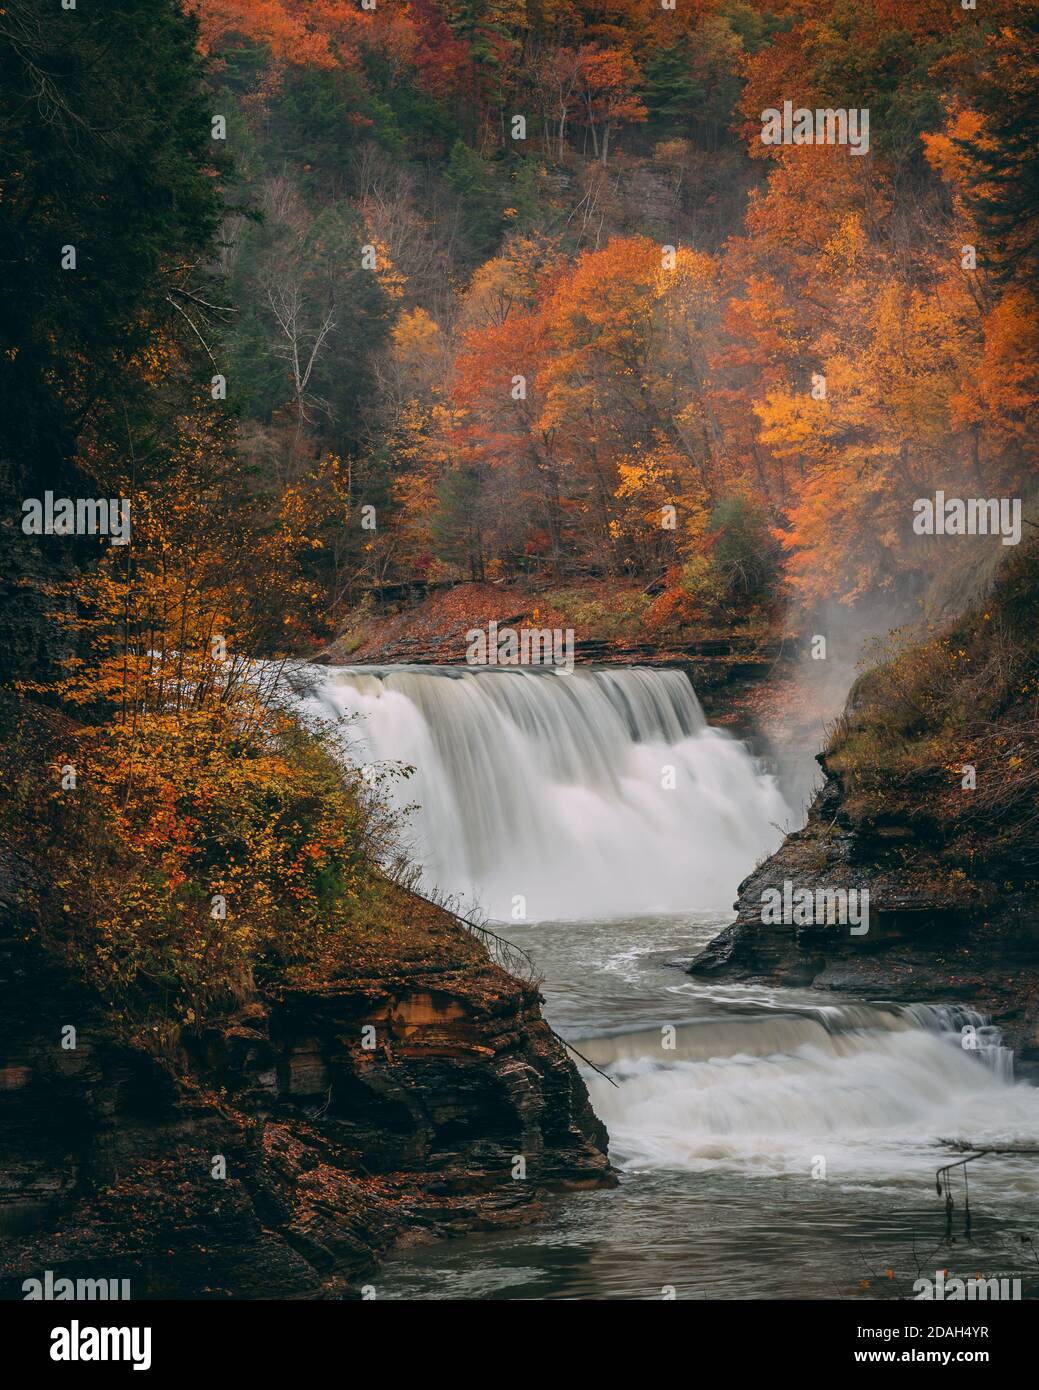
[(869, 1088), (625, 823), (594, 794)]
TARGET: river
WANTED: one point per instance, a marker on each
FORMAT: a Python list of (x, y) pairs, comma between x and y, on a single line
[(770, 1143)]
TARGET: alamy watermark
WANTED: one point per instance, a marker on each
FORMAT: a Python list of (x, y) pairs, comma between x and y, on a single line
[(62, 1289), (530, 646), (80, 1343), (822, 907), (941, 1289), (968, 516), (824, 126), (80, 516)]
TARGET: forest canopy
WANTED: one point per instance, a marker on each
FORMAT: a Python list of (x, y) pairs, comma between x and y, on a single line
[(599, 318)]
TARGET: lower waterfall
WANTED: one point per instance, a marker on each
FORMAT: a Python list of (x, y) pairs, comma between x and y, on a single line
[(869, 1087)]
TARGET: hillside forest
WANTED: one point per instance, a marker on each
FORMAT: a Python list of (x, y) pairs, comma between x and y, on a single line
[(370, 300)]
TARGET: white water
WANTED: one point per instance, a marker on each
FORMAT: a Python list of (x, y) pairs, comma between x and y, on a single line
[(551, 787), (870, 1090), (718, 1142)]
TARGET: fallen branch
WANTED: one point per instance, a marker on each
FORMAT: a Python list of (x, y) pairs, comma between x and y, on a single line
[(584, 1059), (508, 946)]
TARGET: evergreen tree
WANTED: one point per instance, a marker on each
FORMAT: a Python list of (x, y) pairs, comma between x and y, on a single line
[(1006, 156), (105, 148)]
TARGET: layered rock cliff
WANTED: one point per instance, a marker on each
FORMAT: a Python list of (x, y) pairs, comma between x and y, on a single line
[(930, 939), (282, 1150), (930, 804)]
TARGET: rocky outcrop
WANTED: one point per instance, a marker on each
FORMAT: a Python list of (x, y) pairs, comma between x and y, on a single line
[(280, 1151), (929, 804), (933, 935)]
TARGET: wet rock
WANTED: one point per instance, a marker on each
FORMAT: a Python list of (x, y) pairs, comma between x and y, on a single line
[(333, 1150), (932, 936)]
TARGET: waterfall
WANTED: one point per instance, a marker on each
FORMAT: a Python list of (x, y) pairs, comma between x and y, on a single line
[(870, 1089), (600, 793)]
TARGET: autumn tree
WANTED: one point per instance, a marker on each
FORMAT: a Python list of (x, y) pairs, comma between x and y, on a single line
[(606, 87)]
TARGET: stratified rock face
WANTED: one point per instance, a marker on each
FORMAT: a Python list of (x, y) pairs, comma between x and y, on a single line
[(931, 937), (349, 1116)]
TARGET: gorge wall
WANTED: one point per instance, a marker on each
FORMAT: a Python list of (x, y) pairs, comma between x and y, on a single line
[(334, 1152), (931, 802), (927, 940)]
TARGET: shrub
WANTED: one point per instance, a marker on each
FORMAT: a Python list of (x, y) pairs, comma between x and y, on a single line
[(197, 852), (744, 554)]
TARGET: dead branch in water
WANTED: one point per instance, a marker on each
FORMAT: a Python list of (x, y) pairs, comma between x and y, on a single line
[(584, 1059)]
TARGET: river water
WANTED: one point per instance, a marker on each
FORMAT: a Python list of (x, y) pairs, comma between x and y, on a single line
[(770, 1143), (717, 1140)]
